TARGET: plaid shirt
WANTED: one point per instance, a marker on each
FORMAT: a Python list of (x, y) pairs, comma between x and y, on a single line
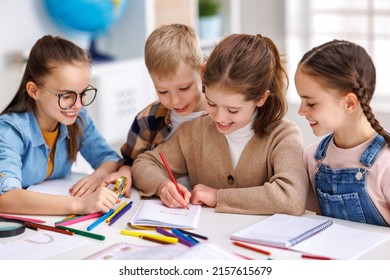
[(151, 126)]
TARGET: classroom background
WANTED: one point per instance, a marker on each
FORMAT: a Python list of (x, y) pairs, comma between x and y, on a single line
[(124, 86)]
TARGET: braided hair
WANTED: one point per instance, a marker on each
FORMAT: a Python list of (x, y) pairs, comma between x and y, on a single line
[(346, 67)]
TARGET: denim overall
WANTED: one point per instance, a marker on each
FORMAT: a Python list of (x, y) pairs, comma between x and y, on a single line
[(342, 192)]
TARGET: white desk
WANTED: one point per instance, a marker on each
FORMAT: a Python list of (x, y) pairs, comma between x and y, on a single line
[(217, 226)]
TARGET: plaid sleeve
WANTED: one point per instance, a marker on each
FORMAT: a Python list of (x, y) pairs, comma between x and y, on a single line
[(147, 131)]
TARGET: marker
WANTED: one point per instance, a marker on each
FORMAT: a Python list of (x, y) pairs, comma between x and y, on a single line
[(121, 213), (193, 234), (116, 212), (83, 233), (100, 220), (22, 218), (78, 219), (154, 236), (181, 235), (181, 240), (45, 227)]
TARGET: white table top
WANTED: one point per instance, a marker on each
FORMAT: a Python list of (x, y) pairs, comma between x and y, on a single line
[(216, 226)]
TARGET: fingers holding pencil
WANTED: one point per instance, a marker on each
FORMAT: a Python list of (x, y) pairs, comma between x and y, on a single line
[(170, 196)]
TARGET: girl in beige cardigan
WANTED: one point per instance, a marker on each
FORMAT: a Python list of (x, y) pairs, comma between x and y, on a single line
[(242, 157)]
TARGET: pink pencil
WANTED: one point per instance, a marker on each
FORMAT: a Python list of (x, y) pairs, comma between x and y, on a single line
[(79, 219), (22, 218)]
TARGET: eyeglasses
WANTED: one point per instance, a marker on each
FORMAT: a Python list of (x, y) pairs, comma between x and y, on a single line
[(66, 100)]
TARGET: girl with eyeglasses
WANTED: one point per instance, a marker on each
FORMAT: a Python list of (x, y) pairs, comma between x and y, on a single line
[(45, 126)]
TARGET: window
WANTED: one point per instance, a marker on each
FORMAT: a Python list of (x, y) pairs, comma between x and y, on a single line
[(366, 22)]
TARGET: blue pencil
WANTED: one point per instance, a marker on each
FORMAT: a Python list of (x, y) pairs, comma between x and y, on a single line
[(120, 213), (100, 220)]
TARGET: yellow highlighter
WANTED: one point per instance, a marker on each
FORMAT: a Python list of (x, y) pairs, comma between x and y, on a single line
[(162, 238)]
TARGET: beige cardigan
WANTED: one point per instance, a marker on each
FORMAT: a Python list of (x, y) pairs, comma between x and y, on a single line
[(270, 176)]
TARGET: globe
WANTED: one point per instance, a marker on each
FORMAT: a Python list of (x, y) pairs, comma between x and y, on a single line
[(91, 17)]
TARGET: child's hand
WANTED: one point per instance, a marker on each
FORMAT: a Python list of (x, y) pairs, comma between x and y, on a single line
[(171, 197), (101, 200), (86, 185), (202, 194), (113, 177)]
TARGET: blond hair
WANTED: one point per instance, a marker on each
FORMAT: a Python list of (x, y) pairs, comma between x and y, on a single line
[(168, 45)]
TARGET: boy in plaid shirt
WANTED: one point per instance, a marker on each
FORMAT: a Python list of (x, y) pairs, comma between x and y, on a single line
[(174, 60)]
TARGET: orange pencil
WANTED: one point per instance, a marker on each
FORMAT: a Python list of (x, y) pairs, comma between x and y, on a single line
[(246, 246), (171, 175)]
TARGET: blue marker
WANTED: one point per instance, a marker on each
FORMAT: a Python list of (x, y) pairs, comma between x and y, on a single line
[(100, 220), (178, 233)]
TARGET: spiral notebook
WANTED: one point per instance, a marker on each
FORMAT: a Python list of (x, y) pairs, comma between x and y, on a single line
[(309, 235)]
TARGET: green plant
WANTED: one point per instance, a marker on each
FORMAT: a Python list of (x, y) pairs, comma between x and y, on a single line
[(208, 7)]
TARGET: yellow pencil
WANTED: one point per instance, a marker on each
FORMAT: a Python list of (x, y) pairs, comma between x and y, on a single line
[(116, 212), (148, 235)]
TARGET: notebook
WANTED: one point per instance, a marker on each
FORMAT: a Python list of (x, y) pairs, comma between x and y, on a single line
[(154, 213), (308, 235)]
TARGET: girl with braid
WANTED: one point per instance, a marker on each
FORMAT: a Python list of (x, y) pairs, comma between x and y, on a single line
[(349, 168)]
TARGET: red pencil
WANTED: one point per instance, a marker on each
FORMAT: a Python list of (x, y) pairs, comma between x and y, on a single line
[(305, 256), (171, 175), (246, 246)]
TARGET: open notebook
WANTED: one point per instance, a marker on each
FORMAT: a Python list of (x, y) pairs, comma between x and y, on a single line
[(154, 213), (308, 235)]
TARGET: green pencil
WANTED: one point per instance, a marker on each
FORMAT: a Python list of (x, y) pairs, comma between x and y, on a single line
[(83, 233)]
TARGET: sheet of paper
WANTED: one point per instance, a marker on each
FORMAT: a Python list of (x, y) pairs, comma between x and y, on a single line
[(57, 186), (127, 251), (41, 245)]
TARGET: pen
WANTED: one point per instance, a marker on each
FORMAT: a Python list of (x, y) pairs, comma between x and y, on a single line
[(77, 219), (83, 233), (100, 220), (22, 218), (183, 236), (121, 213), (181, 240), (258, 250), (116, 211), (154, 236), (171, 175), (45, 227), (193, 234)]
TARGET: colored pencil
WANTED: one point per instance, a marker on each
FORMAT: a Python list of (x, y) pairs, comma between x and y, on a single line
[(246, 246), (305, 256), (121, 213), (83, 233), (171, 175)]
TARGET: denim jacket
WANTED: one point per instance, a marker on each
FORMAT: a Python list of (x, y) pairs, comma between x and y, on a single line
[(24, 153)]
